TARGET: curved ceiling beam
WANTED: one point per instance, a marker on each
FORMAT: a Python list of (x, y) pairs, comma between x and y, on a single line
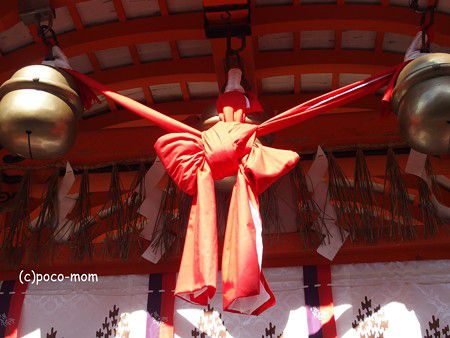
[(97, 147), (9, 14), (275, 103), (270, 19), (114, 34), (173, 108), (116, 145), (354, 128), (334, 131), (323, 61), (279, 63), (131, 32), (267, 64), (145, 74), (266, 20), (401, 20)]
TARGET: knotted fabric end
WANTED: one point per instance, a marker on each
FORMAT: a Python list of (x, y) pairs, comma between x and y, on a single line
[(87, 95)]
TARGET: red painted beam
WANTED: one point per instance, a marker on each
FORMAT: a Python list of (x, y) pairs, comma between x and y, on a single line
[(323, 61), (145, 74), (266, 20), (370, 17), (114, 34), (282, 250), (272, 103)]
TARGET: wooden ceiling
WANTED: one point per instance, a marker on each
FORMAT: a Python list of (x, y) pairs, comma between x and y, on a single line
[(157, 52)]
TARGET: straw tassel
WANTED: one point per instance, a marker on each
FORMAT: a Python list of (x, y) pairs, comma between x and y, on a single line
[(309, 222), (269, 210), (365, 201), (400, 218), (115, 232), (430, 216), (81, 240), (132, 218), (46, 221), (171, 223), (16, 236), (341, 196)]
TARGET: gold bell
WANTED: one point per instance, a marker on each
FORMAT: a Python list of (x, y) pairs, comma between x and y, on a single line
[(39, 109), (421, 99)]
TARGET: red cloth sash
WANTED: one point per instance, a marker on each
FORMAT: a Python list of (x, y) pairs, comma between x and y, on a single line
[(195, 159), (328, 101), (226, 149)]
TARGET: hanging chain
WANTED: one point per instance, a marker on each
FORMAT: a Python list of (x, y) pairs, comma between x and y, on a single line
[(232, 56), (49, 38), (425, 28), (426, 22), (233, 59)]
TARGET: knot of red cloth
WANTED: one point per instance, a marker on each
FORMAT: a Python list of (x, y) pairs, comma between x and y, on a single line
[(226, 149), (225, 145)]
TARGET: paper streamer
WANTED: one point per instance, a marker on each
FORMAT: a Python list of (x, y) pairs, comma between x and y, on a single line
[(319, 187), (150, 208), (60, 61), (413, 51), (66, 203), (416, 166)]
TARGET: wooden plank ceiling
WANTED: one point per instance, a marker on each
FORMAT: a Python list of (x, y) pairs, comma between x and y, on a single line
[(156, 52)]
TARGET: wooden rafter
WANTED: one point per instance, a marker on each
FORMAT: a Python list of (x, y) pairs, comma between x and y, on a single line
[(343, 130), (145, 74), (100, 141), (401, 20), (323, 61), (266, 64), (275, 103), (266, 20), (291, 253)]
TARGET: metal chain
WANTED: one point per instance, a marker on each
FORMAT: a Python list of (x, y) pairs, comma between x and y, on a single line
[(49, 38), (425, 27), (427, 12)]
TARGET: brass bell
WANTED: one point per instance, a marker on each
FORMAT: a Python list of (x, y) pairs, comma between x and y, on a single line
[(39, 109), (421, 99)]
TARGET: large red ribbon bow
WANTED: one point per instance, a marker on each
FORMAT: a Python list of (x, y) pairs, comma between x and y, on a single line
[(195, 159), (226, 149)]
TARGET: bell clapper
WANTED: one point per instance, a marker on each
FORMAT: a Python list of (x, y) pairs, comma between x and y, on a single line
[(29, 143)]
